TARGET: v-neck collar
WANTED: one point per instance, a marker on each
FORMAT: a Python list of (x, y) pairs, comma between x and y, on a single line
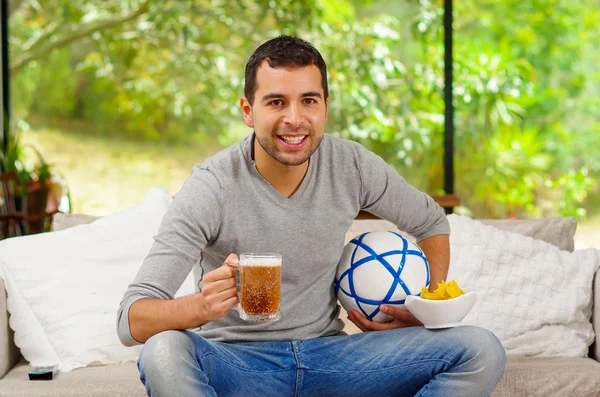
[(270, 189)]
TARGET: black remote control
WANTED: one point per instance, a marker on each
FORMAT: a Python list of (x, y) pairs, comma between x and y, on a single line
[(43, 373)]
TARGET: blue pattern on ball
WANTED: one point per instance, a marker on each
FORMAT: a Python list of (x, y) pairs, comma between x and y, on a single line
[(381, 259)]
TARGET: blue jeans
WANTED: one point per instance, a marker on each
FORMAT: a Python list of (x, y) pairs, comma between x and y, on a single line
[(462, 361)]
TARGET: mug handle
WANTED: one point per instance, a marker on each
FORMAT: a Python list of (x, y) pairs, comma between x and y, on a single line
[(238, 269)]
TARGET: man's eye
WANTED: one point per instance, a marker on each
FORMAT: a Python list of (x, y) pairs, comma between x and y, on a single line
[(309, 101), (276, 102)]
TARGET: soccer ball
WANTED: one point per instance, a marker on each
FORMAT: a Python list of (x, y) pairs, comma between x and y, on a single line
[(380, 267)]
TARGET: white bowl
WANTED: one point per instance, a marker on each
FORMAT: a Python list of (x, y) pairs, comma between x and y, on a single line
[(440, 313)]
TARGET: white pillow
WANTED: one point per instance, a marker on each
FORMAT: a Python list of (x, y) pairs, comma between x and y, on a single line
[(64, 288), (536, 298), (360, 226)]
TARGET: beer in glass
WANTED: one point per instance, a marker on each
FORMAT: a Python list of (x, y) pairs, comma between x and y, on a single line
[(260, 287)]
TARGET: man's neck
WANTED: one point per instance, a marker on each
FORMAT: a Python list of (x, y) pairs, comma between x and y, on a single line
[(285, 178)]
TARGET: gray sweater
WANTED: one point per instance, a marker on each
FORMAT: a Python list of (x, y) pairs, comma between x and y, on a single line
[(226, 206)]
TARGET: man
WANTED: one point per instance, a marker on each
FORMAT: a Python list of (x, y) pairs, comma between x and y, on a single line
[(291, 189)]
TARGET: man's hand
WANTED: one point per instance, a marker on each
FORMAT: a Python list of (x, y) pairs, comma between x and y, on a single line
[(402, 318), (219, 289), (149, 316)]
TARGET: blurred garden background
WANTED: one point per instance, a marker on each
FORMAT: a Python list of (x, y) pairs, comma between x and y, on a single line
[(122, 95)]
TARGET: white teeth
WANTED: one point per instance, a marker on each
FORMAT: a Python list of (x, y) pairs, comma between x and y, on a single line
[(293, 140)]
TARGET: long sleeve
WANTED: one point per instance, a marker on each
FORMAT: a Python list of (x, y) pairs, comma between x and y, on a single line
[(388, 195), (191, 221)]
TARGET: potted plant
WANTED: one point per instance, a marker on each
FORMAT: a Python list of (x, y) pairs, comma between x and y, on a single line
[(32, 182)]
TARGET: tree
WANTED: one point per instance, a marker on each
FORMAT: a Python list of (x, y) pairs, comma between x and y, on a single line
[(173, 71)]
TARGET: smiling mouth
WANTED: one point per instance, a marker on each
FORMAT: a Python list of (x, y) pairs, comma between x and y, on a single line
[(293, 140)]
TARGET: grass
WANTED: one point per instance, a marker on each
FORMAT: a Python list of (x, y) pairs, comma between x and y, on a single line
[(107, 174), (588, 232)]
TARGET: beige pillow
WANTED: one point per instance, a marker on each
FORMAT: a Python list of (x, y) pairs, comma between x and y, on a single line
[(558, 231), (63, 221), (361, 226)]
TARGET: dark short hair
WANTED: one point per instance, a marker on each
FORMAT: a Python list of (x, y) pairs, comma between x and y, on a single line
[(283, 51)]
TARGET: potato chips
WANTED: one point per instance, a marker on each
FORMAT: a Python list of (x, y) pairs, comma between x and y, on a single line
[(444, 291)]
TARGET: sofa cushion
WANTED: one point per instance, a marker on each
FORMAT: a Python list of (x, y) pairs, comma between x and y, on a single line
[(361, 226), (61, 221), (536, 376), (524, 376), (121, 380), (535, 297), (558, 231), (595, 348), (9, 353), (81, 273)]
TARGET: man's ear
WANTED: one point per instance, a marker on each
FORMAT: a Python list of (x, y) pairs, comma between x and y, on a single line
[(246, 111), (327, 109)]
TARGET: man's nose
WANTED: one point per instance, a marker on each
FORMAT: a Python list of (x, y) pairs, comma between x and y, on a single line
[(293, 115)]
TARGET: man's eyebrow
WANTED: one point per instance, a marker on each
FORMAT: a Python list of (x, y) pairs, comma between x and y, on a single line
[(273, 95), (277, 95), (311, 93)]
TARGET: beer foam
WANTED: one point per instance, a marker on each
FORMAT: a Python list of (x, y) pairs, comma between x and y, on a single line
[(260, 261)]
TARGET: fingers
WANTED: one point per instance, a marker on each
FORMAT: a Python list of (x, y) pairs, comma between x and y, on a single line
[(402, 315), (367, 325), (214, 287), (226, 271), (219, 289), (219, 296), (218, 305), (395, 312), (231, 302), (232, 261), (402, 318), (219, 299), (352, 317)]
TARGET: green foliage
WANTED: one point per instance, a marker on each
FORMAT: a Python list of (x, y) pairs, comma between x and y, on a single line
[(574, 185), (516, 166), (543, 82), (26, 160), (526, 82), (55, 91)]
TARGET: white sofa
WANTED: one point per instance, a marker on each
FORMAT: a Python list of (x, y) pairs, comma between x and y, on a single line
[(524, 376)]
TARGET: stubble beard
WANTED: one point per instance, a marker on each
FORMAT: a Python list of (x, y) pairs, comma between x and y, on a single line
[(270, 147)]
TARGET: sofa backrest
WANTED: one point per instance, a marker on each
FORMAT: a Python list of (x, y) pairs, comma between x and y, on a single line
[(557, 231), (9, 353)]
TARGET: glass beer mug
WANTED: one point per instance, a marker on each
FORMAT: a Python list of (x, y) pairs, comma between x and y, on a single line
[(260, 287)]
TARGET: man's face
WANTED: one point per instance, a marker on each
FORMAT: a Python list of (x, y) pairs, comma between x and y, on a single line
[(289, 112)]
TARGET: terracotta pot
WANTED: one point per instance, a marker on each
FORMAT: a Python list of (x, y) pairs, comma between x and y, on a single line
[(34, 202), (37, 197)]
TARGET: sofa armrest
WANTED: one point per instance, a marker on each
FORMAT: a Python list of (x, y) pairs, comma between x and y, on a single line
[(9, 353), (595, 348)]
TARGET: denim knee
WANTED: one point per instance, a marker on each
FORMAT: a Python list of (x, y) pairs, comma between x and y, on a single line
[(163, 354), (484, 349)]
